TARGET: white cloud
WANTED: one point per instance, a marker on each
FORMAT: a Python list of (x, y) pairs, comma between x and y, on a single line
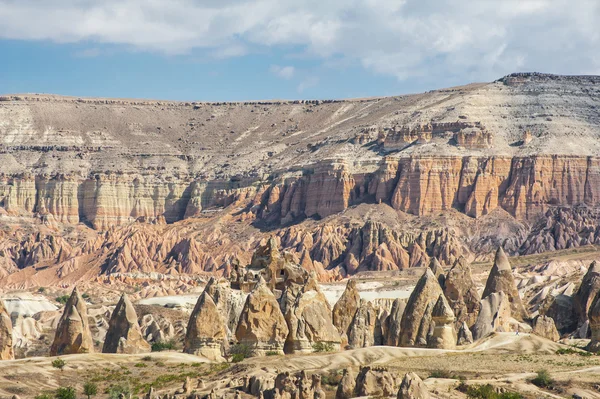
[(430, 39), (284, 72)]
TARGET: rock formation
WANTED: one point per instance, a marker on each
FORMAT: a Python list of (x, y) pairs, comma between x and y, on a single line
[(444, 334), (465, 337), (361, 332), (346, 307), (346, 386), (494, 315), (461, 292), (438, 270), (124, 334), (309, 320), (229, 304), (6, 335), (392, 336), (501, 279), (594, 319), (412, 387), (206, 333), (588, 290), (544, 327), (374, 382), (262, 326), (73, 332), (418, 308)]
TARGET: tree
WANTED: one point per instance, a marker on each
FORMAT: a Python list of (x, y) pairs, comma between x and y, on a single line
[(59, 364), (90, 389), (65, 393)]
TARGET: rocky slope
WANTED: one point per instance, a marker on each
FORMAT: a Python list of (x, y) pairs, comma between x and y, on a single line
[(444, 173)]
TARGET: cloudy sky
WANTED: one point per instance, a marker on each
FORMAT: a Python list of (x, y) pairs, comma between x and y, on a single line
[(258, 49)]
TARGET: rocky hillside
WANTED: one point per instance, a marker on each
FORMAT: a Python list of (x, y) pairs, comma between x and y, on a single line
[(348, 186)]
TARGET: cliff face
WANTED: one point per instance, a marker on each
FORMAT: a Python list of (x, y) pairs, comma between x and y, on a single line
[(523, 145)]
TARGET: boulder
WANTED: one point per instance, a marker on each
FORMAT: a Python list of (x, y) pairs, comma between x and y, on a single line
[(361, 333), (6, 335), (587, 291), (346, 386), (346, 307), (206, 333), (418, 308), (544, 327), (392, 336), (412, 387), (494, 315), (461, 292), (594, 322), (124, 334), (309, 320), (73, 332), (444, 334), (501, 279), (374, 382), (465, 336), (262, 326)]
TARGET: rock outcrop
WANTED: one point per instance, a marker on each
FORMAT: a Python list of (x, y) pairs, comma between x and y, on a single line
[(588, 290), (494, 315), (501, 279), (262, 326), (345, 308), (461, 292), (124, 334), (412, 387), (392, 336), (594, 320), (544, 327), (444, 334), (361, 332), (309, 321), (418, 308), (206, 333), (346, 386), (6, 335), (73, 332), (374, 382), (465, 336)]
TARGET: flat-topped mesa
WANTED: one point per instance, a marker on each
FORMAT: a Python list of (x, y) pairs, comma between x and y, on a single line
[(444, 333), (501, 279), (418, 308), (206, 333), (262, 326), (6, 334), (467, 134), (587, 292), (73, 333), (124, 334)]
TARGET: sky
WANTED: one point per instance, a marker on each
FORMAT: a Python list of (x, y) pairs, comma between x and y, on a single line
[(235, 50)]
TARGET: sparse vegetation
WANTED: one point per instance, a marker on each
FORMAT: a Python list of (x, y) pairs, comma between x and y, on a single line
[(140, 365), (115, 390), (486, 391), (543, 379), (445, 374), (571, 351), (240, 352), (90, 389), (163, 346), (65, 393), (62, 299), (43, 396), (147, 358), (272, 353), (323, 347), (59, 364)]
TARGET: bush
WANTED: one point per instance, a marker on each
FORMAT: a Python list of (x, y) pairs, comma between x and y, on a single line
[(41, 290), (543, 379), (139, 365), (163, 346), (62, 299), (323, 347), (59, 364), (43, 396), (571, 351), (90, 389), (116, 390), (272, 353), (147, 358), (445, 374), (240, 352), (65, 393), (486, 392)]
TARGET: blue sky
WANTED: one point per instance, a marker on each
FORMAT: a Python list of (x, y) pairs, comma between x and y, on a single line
[(265, 49)]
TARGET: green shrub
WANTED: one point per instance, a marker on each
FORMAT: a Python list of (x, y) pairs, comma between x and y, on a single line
[(62, 299), (85, 295), (147, 358), (65, 393), (59, 364), (571, 351), (43, 396), (41, 290), (90, 389), (272, 353), (240, 352), (543, 379), (115, 390), (445, 374), (486, 392), (163, 346), (140, 365), (323, 347)]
